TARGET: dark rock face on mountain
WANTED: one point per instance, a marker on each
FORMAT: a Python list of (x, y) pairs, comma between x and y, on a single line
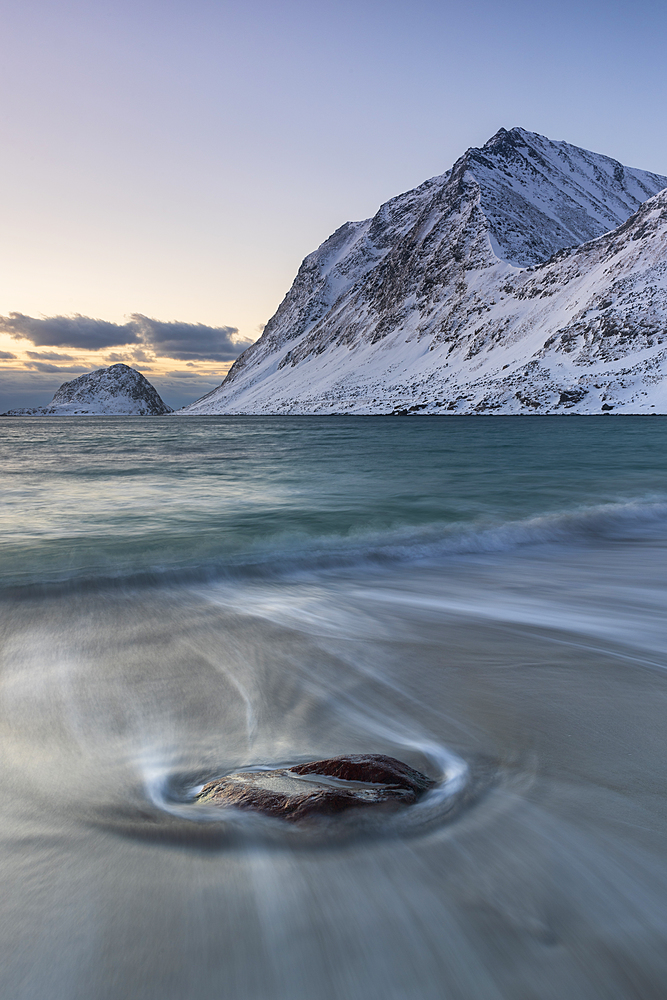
[(115, 390), (529, 278), (320, 788)]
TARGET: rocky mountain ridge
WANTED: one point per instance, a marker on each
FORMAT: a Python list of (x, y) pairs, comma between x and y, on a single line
[(516, 282), (115, 390)]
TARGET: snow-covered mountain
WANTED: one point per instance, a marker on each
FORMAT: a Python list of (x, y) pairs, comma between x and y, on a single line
[(529, 278), (115, 390)]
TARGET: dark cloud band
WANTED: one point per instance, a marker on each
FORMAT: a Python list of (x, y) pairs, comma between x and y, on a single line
[(188, 341), (67, 331), (182, 341), (45, 366)]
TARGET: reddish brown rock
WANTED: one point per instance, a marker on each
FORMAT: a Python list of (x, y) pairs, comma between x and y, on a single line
[(321, 787), (368, 767)]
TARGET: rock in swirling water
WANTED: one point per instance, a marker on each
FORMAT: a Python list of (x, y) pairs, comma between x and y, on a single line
[(320, 788)]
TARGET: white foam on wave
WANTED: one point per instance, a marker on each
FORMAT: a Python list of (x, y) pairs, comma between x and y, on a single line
[(292, 554), (610, 521)]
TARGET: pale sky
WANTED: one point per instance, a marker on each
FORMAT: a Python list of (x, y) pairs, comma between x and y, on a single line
[(176, 161)]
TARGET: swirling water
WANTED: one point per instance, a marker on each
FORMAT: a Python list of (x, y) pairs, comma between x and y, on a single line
[(483, 597)]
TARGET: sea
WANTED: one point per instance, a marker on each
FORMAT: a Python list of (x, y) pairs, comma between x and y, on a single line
[(482, 597)]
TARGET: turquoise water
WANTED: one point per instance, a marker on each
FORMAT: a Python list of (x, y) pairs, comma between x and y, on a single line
[(97, 498), (484, 598)]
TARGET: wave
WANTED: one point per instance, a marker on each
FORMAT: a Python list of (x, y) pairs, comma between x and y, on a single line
[(289, 556)]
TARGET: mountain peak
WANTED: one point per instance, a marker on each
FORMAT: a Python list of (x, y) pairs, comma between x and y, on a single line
[(118, 389), (509, 137), (452, 275), (540, 196)]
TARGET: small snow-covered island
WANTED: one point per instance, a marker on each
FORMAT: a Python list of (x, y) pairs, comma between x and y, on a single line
[(529, 278), (118, 390)]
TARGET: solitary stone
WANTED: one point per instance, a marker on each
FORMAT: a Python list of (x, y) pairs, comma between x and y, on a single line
[(320, 787)]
